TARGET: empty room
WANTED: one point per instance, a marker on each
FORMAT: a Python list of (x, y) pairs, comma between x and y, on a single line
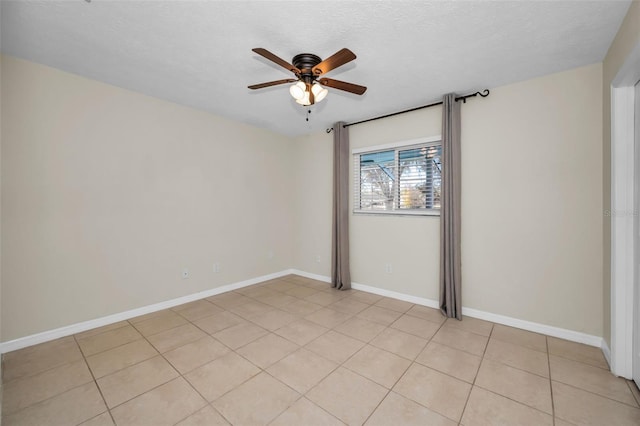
[(309, 213)]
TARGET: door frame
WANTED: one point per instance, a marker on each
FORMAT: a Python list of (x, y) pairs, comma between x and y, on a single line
[(622, 216)]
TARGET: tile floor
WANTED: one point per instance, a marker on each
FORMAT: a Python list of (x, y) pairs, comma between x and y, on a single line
[(292, 351)]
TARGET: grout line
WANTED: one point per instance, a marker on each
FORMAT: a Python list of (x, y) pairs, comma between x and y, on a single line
[(553, 407), (597, 394), (473, 384), (95, 382)]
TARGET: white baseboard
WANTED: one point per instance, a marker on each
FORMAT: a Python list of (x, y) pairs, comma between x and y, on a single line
[(57, 333), (46, 336), (562, 333)]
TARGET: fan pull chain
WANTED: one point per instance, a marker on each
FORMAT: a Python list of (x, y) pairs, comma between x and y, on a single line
[(308, 112)]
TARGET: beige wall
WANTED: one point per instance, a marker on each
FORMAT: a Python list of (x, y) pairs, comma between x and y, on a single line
[(627, 38), (108, 194), (531, 204)]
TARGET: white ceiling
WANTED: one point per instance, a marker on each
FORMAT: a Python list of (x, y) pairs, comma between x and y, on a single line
[(198, 53)]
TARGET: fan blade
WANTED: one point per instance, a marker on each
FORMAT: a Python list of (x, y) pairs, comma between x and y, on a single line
[(273, 58), (343, 85), (272, 83), (338, 59)]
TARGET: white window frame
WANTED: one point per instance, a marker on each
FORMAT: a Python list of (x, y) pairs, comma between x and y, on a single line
[(402, 145)]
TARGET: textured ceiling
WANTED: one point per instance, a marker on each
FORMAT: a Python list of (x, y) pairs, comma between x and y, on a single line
[(198, 53)]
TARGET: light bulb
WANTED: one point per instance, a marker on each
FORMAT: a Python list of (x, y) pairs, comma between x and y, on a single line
[(304, 100), (298, 90), (319, 92)]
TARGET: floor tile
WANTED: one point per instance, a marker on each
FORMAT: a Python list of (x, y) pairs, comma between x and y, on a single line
[(175, 337), (115, 359), (69, 408), (274, 319), (301, 307), (436, 391), (378, 365), (21, 393), (394, 304), (305, 412), (488, 408), (380, 315), (360, 329), (253, 290), (266, 396), (150, 315), (240, 335), (196, 310), (208, 416), (103, 419), (398, 410), (326, 298), (462, 340), (526, 388), (335, 346), (166, 321), (456, 363), (592, 379), (126, 384), (100, 330), (218, 377), (218, 322), (301, 331), (108, 340), (426, 313), (361, 296), (634, 390), (277, 300), (281, 285), (164, 405), (518, 356), (472, 325), (348, 396), (578, 352), (327, 317), (229, 299), (250, 309), (38, 358), (520, 337), (195, 354), (400, 343), (349, 306), (416, 326), (585, 408), (267, 350), (302, 369), (301, 292)]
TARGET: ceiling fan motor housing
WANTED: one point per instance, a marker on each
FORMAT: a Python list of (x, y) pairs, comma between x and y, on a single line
[(305, 63)]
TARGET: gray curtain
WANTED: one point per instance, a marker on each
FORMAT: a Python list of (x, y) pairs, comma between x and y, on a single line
[(340, 273), (450, 270)]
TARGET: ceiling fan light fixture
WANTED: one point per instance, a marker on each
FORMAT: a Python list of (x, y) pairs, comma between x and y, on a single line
[(305, 100), (298, 91), (319, 92)]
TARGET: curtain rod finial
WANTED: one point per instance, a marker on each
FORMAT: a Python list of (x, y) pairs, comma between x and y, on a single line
[(330, 129)]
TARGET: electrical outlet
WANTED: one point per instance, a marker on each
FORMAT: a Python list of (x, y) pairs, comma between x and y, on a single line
[(185, 273), (318, 259), (216, 267), (270, 254), (388, 268)]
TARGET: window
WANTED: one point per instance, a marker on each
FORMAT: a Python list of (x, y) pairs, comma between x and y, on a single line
[(402, 178)]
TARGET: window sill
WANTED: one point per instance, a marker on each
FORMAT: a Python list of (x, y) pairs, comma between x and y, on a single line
[(397, 213)]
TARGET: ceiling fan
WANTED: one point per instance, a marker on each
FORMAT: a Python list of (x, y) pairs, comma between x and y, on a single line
[(308, 68)]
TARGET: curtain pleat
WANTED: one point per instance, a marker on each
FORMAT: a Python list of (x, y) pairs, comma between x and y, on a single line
[(450, 265), (340, 269)]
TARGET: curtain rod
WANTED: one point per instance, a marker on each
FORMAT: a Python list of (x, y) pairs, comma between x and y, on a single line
[(483, 94)]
